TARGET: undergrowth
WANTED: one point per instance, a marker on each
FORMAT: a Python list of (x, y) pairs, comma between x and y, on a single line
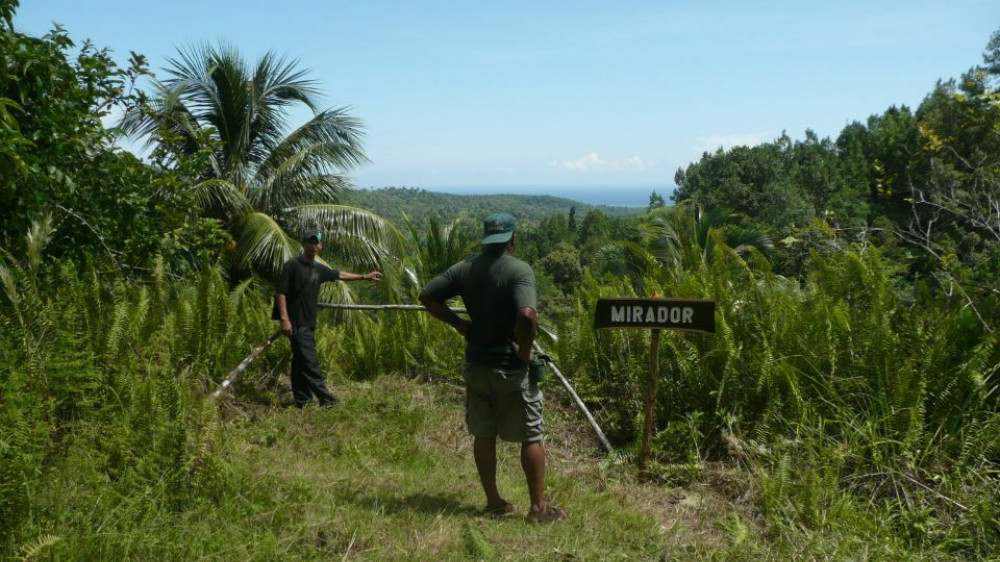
[(830, 418)]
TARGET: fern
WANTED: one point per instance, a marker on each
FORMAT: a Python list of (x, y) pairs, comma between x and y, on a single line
[(34, 548)]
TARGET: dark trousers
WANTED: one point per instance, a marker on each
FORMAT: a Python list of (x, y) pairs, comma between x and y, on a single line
[(307, 378)]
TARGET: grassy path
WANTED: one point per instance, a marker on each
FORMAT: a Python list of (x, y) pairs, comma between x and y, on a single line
[(388, 475)]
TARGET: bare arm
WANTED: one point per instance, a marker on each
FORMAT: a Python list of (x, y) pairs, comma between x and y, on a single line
[(372, 275), (525, 331), (286, 323), (440, 311)]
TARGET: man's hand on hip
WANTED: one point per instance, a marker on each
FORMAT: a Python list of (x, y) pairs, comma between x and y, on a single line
[(524, 353)]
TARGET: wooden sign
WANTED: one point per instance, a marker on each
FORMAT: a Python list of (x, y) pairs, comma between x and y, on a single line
[(668, 314), (657, 315)]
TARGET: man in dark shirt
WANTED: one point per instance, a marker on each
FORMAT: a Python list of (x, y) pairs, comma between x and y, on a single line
[(501, 401), (297, 299)]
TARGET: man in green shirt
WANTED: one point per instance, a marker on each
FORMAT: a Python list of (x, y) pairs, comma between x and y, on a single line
[(297, 299), (501, 401)]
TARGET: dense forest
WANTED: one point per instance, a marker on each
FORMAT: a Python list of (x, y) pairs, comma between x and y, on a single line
[(420, 205), (852, 378)]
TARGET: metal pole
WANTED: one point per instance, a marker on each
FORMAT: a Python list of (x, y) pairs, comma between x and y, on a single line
[(605, 445), (231, 378), (383, 307)]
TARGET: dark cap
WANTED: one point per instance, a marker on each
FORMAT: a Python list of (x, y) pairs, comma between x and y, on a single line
[(498, 228), (313, 235)]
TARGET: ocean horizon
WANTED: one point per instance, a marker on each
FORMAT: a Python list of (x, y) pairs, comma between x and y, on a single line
[(613, 196)]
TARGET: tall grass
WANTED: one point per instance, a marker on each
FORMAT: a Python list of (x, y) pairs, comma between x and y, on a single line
[(836, 390), (403, 342), (849, 402), (110, 378)]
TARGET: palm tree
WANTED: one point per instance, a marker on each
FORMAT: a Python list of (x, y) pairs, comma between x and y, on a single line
[(688, 235), (442, 245), (684, 237), (266, 186)]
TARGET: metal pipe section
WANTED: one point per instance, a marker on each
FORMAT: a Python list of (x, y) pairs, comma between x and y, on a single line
[(231, 377), (605, 445), (383, 307)]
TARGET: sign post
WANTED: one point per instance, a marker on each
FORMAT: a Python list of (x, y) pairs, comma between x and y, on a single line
[(656, 314), (653, 377)]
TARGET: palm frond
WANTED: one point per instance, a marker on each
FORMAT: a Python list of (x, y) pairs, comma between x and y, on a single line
[(35, 547), (661, 236), (326, 146), (262, 245), (278, 80), (460, 243), (742, 239), (219, 197), (38, 236), (166, 120), (708, 219), (358, 237), (302, 178), (631, 259)]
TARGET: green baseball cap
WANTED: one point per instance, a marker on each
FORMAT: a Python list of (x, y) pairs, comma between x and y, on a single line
[(309, 235), (498, 228)]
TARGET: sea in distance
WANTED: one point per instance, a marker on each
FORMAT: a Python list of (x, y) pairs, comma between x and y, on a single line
[(614, 196)]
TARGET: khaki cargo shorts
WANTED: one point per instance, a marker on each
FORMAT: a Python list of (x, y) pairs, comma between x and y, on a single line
[(502, 402)]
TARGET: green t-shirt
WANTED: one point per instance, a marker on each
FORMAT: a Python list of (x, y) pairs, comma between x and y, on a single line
[(493, 286)]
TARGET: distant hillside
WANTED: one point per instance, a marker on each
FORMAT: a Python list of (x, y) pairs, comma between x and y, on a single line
[(419, 204)]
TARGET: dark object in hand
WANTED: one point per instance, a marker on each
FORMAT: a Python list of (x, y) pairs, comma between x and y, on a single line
[(538, 369)]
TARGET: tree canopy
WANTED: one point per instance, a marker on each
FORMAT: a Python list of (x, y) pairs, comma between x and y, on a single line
[(267, 184)]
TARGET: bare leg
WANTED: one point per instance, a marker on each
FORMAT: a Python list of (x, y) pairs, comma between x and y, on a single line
[(484, 449), (533, 463)]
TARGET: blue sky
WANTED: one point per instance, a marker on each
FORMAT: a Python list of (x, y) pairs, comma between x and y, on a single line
[(555, 94)]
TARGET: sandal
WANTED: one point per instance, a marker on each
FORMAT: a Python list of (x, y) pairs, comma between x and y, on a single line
[(550, 514), (502, 509)]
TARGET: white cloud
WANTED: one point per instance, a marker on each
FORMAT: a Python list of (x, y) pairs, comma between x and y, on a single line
[(591, 162), (712, 143)]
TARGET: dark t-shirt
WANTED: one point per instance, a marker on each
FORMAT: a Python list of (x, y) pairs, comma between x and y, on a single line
[(299, 282), (493, 286)]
